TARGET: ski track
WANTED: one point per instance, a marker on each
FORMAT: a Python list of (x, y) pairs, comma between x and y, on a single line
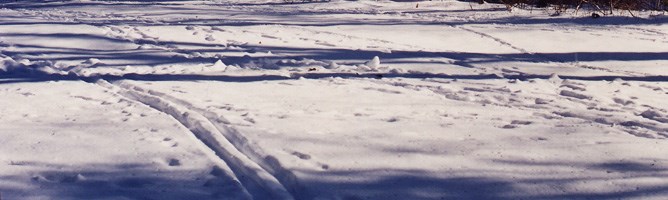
[(256, 153), (230, 147), (353, 37), (498, 40), (544, 59)]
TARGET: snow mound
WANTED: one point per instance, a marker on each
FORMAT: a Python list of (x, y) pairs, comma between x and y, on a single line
[(332, 65), (92, 61), (373, 63), (219, 65), (9, 65)]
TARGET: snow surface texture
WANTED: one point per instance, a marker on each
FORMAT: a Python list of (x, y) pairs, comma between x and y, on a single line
[(334, 100)]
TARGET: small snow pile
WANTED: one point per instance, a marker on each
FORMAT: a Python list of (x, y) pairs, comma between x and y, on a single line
[(397, 71), (541, 101), (9, 65), (92, 61), (373, 63), (231, 68), (554, 78), (219, 65), (332, 65)]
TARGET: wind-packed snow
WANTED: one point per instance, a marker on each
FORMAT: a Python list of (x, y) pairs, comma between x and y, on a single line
[(330, 100)]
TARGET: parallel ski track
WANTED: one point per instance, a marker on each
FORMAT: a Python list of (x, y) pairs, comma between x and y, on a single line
[(214, 136)]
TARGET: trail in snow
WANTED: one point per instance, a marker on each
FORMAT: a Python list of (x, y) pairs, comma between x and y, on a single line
[(214, 137)]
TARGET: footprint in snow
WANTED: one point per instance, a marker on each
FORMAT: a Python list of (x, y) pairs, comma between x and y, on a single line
[(516, 123), (509, 126), (269, 36), (301, 155), (83, 98), (392, 120), (542, 101), (173, 162), (169, 142), (652, 87), (521, 122), (361, 114), (568, 93), (250, 120), (304, 156), (217, 172), (655, 115), (383, 90), (574, 87)]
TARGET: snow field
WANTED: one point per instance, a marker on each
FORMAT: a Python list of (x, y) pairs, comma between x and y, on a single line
[(338, 100)]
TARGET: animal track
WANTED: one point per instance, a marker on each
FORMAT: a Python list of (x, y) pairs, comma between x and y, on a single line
[(174, 162), (302, 156)]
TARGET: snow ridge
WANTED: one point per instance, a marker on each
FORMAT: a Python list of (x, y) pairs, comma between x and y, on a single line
[(209, 134)]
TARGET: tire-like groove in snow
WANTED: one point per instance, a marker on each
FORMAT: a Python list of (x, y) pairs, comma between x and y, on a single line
[(209, 134)]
